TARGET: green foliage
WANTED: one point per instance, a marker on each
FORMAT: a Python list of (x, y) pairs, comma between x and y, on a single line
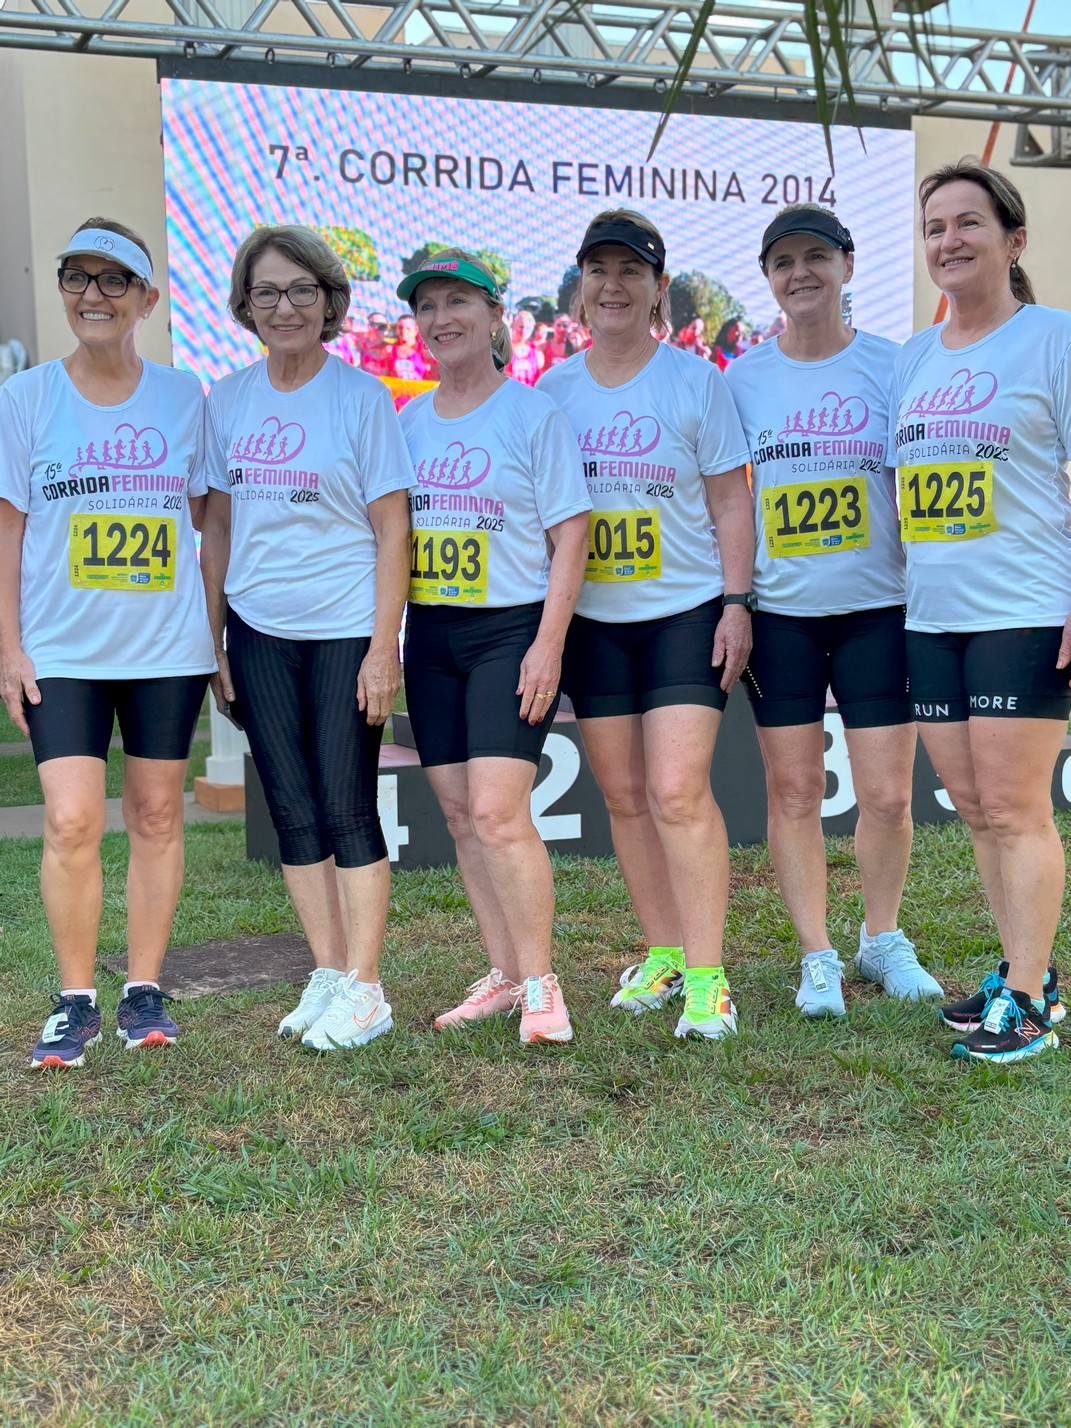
[(357, 251), (694, 295), (499, 266)]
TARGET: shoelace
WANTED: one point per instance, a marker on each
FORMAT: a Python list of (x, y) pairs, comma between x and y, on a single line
[(823, 970), (992, 986), (319, 983), (1002, 1013), (488, 987), (534, 996), (59, 1022), (148, 999), (654, 969), (899, 953), (706, 995)]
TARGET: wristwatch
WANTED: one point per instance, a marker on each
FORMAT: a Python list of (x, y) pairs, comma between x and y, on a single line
[(750, 601)]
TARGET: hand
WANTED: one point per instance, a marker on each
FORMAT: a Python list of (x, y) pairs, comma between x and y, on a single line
[(732, 644), (18, 686), (537, 686), (222, 687), (378, 681), (1063, 659)]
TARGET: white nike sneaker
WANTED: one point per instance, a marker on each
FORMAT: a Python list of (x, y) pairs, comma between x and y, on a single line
[(315, 1000), (358, 1013)]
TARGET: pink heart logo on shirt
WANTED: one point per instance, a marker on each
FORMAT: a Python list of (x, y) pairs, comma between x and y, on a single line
[(456, 469), (275, 444), (834, 416), (624, 435), (129, 448), (966, 392)]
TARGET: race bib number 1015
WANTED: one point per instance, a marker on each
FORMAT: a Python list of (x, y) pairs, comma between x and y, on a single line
[(122, 552), (946, 502), (623, 545)]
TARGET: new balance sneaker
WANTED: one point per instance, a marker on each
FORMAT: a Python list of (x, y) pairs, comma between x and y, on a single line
[(969, 1014), (143, 1021), (544, 1016), (891, 960), (1013, 1029), (821, 976), (708, 1007), (357, 1013), (487, 997), (653, 982), (314, 1001), (73, 1024)]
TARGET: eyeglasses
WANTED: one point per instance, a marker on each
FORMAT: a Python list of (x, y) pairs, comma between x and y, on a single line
[(300, 295), (110, 284)]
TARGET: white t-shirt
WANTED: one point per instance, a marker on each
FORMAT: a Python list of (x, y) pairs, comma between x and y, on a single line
[(110, 583), (301, 469), (817, 432), (646, 447), (490, 483), (981, 435)]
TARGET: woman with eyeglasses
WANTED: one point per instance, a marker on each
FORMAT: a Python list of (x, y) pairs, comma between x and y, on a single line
[(305, 555), (102, 617)]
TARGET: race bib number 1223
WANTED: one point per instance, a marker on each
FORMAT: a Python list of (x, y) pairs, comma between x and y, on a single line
[(816, 517), (117, 552)]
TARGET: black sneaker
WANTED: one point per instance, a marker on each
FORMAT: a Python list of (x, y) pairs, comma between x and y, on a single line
[(969, 1014), (1012, 1030), (73, 1025)]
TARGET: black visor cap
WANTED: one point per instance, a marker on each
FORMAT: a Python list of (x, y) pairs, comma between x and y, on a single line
[(812, 221), (629, 235)]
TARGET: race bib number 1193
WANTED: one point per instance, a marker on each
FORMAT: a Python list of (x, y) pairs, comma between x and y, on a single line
[(122, 552)]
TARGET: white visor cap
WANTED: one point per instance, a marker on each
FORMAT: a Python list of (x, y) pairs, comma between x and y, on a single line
[(98, 242)]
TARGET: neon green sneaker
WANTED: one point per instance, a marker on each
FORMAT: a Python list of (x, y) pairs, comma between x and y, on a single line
[(653, 982), (708, 1007)]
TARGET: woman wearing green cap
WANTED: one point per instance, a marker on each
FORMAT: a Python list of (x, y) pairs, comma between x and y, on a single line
[(499, 486)]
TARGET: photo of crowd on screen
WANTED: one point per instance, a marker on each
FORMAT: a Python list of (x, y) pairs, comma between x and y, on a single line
[(545, 329)]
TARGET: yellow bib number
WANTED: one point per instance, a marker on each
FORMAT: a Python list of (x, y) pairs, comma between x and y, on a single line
[(816, 518), (623, 545), (122, 552), (448, 567), (946, 502)]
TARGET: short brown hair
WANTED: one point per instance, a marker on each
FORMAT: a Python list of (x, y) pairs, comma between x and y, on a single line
[(308, 250)]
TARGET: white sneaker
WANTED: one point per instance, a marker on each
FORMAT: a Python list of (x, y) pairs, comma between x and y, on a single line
[(358, 1013), (821, 992), (315, 1000)]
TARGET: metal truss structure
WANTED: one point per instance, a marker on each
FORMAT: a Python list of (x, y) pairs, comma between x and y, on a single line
[(746, 50)]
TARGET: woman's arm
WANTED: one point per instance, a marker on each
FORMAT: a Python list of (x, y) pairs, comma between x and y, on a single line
[(215, 557), (542, 664), (17, 682), (380, 675), (732, 509)]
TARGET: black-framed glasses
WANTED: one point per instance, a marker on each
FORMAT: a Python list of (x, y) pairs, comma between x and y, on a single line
[(300, 294), (110, 284)]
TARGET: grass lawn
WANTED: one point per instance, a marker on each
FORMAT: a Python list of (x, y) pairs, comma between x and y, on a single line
[(809, 1224)]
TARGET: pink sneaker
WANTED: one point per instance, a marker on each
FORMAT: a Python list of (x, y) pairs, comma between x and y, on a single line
[(543, 1012), (487, 997)]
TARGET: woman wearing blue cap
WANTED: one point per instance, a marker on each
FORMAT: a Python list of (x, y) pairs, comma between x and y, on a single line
[(102, 615), (499, 520), (829, 579), (662, 628)]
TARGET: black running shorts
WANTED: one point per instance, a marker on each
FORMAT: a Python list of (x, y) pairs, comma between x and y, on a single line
[(461, 672), (611, 669), (75, 717), (994, 674), (861, 656)]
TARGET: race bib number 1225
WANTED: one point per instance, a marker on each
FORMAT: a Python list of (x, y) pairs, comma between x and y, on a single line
[(953, 501)]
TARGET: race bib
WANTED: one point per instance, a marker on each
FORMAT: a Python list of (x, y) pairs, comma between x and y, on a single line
[(122, 552), (448, 567), (816, 517), (946, 502), (623, 545)]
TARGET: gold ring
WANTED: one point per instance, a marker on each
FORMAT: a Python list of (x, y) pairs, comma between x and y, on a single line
[(549, 694)]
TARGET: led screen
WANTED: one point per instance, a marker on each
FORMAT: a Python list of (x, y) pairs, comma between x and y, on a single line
[(388, 177)]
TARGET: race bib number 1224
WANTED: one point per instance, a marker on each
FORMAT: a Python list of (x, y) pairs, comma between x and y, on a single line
[(117, 552)]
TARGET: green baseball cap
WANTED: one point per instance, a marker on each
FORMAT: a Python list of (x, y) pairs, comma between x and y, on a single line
[(455, 268)]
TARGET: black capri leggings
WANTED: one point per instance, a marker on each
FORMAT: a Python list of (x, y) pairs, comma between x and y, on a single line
[(316, 754)]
